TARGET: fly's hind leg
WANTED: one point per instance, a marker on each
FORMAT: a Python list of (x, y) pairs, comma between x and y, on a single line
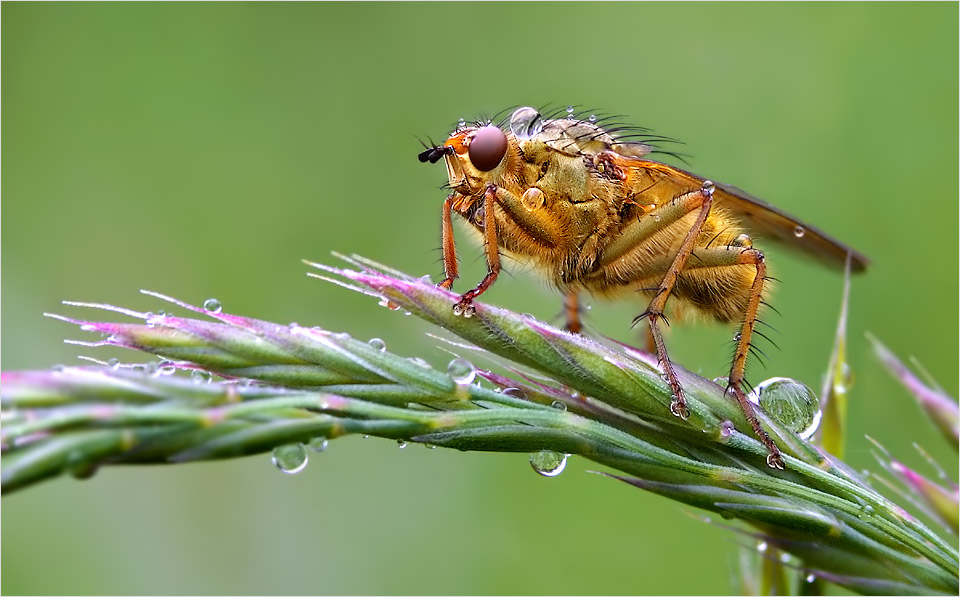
[(715, 263), (701, 199), (738, 367)]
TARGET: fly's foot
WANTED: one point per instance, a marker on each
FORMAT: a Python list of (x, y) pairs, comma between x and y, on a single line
[(446, 283), (464, 307), (775, 459), (678, 406)]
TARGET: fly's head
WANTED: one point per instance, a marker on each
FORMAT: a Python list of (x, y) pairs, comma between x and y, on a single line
[(477, 156)]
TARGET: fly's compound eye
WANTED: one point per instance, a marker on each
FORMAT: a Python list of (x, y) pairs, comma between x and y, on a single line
[(487, 148)]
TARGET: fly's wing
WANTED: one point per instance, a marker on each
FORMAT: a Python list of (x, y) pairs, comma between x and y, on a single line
[(756, 215)]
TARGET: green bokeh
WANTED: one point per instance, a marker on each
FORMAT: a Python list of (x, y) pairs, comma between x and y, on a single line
[(202, 150)]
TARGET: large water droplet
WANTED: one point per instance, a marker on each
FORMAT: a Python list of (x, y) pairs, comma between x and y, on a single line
[(212, 305), (548, 463), (290, 458), (377, 344), (525, 123), (461, 371), (790, 402)]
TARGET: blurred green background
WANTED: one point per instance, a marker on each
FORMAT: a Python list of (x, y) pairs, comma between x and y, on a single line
[(202, 150)]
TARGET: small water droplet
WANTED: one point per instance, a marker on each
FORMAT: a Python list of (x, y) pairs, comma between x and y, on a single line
[(212, 305), (799, 231), (290, 458), (548, 463), (722, 381), (790, 402), (430, 446), (592, 118), (866, 512), (377, 344), (385, 302), (784, 557), (515, 392), (365, 436), (656, 217), (461, 123), (726, 429), (318, 444), (811, 578), (762, 547), (113, 363), (525, 123), (79, 466), (166, 368), (426, 278), (558, 405), (199, 376), (401, 444), (570, 110), (461, 371)]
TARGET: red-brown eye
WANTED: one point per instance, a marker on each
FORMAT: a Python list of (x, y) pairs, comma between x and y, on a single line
[(487, 148)]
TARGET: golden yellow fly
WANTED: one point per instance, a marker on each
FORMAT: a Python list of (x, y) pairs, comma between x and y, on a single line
[(578, 199)]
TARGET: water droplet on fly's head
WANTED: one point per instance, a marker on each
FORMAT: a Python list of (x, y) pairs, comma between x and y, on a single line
[(318, 444), (461, 371), (290, 458), (525, 123), (799, 231), (790, 402), (592, 118), (212, 305), (558, 405), (548, 463), (377, 344), (570, 110), (461, 123)]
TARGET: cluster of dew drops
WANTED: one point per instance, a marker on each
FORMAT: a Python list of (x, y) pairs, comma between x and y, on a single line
[(292, 458)]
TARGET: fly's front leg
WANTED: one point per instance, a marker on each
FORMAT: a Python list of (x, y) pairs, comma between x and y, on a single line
[(571, 310), (701, 199), (451, 269), (492, 250)]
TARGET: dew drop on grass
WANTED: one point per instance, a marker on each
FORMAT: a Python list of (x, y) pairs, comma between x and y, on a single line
[(290, 458), (461, 371), (726, 429), (401, 444), (790, 402), (199, 376), (558, 405), (548, 463), (212, 305), (318, 444), (377, 344)]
